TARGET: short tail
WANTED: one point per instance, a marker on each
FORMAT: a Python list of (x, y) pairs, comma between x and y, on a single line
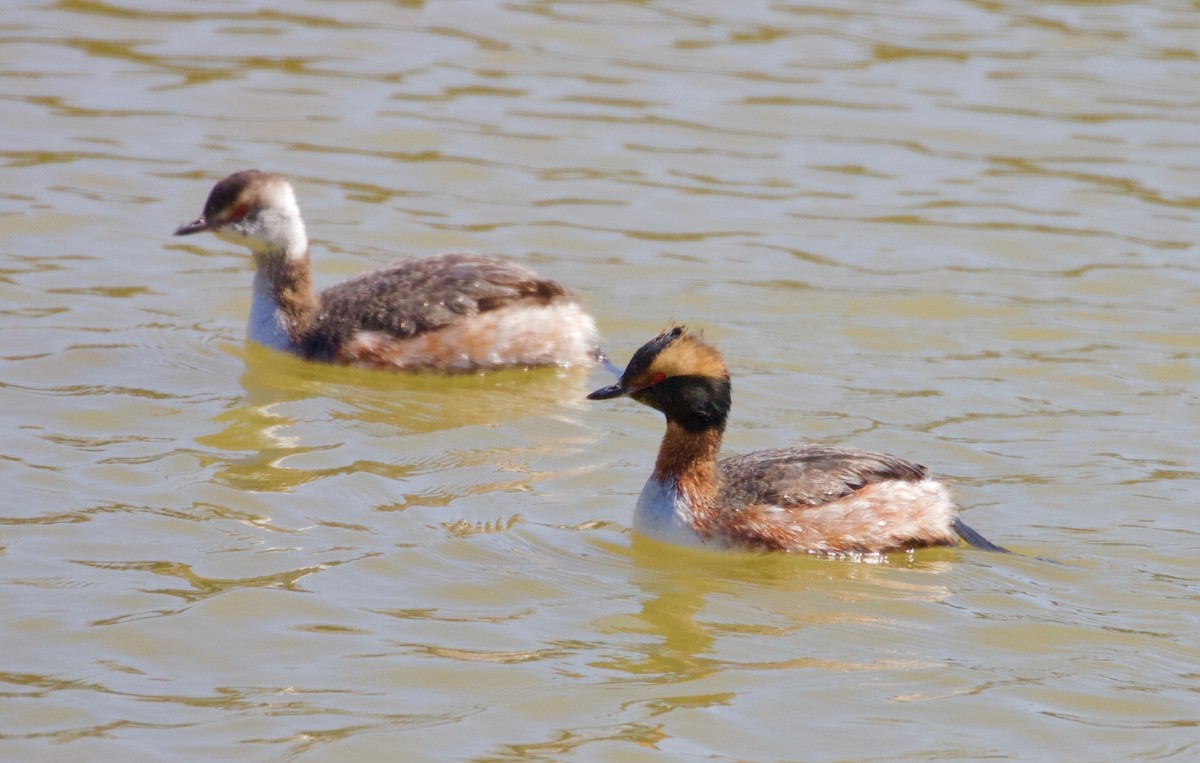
[(975, 539)]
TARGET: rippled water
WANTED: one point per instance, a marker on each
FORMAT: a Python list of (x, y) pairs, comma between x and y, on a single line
[(961, 232)]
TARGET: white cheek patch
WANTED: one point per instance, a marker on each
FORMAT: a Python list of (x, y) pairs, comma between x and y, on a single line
[(232, 234), (274, 227)]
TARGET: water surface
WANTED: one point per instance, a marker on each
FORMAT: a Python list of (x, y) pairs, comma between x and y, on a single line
[(960, 232)]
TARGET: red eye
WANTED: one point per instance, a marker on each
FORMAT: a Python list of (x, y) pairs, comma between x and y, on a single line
[(239, 212), (657, 376)]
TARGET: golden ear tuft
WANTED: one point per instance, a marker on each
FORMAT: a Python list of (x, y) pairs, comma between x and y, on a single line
[(690, 355)]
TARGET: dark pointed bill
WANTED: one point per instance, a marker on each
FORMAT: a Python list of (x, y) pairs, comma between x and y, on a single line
[(195, 226), (609, 392)]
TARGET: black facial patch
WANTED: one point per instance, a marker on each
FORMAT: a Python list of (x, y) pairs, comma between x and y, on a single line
[(695, 403)]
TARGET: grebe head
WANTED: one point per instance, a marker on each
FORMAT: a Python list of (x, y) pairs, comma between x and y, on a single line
[(677, 373), (255, 209)]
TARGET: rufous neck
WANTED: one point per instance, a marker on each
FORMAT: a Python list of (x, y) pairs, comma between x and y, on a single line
[(287, 278), (689, 458)]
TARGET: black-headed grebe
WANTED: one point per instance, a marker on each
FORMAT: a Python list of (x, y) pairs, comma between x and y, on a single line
[(453, 312), (809, 498)]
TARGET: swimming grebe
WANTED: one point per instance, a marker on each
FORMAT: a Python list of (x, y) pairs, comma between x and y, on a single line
[(453, 312), (810, 498)]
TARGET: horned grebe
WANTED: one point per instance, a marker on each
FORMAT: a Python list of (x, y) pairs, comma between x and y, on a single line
[(810, 498), (453, 312)]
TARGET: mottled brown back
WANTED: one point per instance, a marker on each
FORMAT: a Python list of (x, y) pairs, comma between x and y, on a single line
[(807, 475), (416, 296)]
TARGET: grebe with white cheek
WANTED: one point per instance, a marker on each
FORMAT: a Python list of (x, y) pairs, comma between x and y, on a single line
[(452, 312)]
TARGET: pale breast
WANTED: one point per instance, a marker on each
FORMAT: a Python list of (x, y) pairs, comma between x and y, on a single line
[(662, 513), (266, 324)]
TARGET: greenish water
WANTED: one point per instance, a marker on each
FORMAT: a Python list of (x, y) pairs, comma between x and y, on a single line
[(960, 232)]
